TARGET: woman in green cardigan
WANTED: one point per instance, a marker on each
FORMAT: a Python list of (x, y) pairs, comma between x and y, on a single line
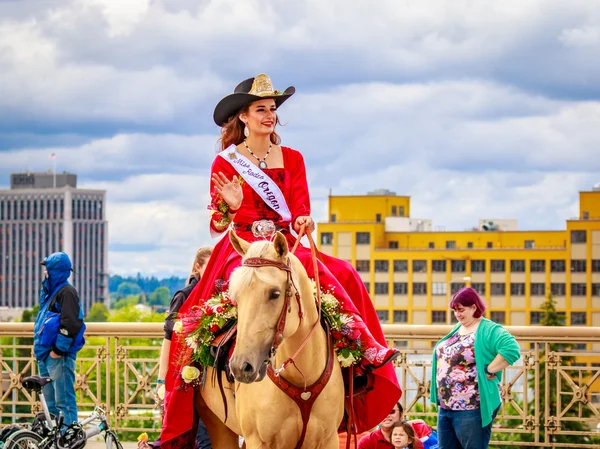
[(466, 370)]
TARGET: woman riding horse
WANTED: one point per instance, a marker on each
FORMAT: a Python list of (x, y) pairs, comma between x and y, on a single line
[(259, 187)]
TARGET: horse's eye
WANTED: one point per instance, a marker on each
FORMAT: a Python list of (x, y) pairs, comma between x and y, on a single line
[(274, 294)]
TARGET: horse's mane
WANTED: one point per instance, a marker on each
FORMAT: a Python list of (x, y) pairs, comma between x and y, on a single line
[(242, 277)]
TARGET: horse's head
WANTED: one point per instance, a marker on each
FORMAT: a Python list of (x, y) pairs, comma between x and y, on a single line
[(260, 293)]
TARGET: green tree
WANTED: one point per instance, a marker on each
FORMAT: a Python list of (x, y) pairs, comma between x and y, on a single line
[(128, 289), (551, 317), (98, 313), (131, 300), (160, 297)]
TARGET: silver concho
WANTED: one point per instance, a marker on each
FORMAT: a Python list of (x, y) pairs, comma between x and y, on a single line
[(264, 228)]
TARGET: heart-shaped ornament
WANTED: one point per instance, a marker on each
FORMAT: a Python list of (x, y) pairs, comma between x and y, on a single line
[(305, 395)]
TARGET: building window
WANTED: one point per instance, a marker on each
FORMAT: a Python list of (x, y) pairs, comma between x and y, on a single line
[(378, 218), (381, 288), (419, 266), (419, 288), (394, 211), (438, 288), (517, 289), (401, 344), (400, 266), (529, 244), (537, 266), (438, 316), (401, 209), (578, 289), (489, 245), (498, 266), (431, 245), (479, 287), (478, 266), (400, 316), (595, 289), (333, 218), (586, 215), (363, 266), (558, 289), (456, 286), (578, 319), (383, 316), (382, 266), (400, 288), (469, 244), (367, 286), (327, 238), (438, 266), (451, 244), (363, 238), (393, 244), (535, 317), (497, 288), (557, 266), (595, 266), (578, 236), (578, 266), (517, 266), (538, 289), (498, 317), (458, 266)]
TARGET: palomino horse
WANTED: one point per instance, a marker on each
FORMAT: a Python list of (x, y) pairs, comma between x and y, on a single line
[(276, 314)]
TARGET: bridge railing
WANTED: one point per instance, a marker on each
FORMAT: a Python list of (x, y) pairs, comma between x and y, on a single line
[(550, 397)]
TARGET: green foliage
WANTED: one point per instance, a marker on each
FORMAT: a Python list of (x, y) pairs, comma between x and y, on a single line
[(147, 284), (126, 302), (160, 297), (98, 313), (128, 289), (30, 314), (133, 314)]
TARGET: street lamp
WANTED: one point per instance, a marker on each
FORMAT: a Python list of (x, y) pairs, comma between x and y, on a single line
[(448, 288)]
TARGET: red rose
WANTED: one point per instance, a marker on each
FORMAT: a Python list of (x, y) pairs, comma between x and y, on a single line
[(353, 346), (214, 328), (339, 344), (219, 309), (217, 216), (336, 335), (209, 311)]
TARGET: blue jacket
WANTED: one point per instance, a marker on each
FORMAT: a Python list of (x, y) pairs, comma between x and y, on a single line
[(59, 324)]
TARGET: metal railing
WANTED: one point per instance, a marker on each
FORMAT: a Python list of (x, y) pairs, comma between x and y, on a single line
[(550, 397)]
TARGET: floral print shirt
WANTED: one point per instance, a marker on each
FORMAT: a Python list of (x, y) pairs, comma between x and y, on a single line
[(457, 373)]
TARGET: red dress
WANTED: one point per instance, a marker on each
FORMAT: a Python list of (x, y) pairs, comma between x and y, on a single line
[(349, 289)]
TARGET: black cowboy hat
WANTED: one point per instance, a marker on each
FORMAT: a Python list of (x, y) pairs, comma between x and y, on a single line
[(253, 89)]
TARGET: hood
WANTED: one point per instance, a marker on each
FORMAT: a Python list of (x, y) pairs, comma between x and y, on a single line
[(59, 268)]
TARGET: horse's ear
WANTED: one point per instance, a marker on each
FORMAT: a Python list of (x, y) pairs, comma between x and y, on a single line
[(281, 246), (240, 245)]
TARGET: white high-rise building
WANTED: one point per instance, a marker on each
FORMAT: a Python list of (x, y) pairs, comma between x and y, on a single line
[(43, 213)]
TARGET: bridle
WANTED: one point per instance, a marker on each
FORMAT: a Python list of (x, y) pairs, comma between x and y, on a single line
[(260, 262)]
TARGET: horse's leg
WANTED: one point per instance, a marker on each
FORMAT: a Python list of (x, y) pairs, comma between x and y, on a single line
[(221, 436)]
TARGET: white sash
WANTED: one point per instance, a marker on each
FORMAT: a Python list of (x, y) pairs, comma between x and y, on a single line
[(262, 184)]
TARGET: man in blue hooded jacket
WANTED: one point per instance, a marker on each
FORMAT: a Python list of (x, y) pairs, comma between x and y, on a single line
[(58, 335)]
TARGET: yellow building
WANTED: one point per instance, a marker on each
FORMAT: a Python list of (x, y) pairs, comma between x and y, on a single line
[(411, 271)]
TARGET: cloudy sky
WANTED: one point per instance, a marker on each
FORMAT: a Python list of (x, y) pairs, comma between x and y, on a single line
[(478, 108)]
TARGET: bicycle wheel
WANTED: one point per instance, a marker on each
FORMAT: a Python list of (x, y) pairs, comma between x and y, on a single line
[(23, 439), (111, 440)]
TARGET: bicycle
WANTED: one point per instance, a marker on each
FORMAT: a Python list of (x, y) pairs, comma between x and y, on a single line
[(46, 434)]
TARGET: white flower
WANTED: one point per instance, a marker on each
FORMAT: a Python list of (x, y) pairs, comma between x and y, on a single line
[(178, 327), (346, 361), (190, 373), (346, 319), (192, 343)]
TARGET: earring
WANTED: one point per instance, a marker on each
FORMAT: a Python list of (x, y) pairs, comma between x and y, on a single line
[(246, 131)]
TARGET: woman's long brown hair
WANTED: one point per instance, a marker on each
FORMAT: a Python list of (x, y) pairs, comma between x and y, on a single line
[(232, 132)]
